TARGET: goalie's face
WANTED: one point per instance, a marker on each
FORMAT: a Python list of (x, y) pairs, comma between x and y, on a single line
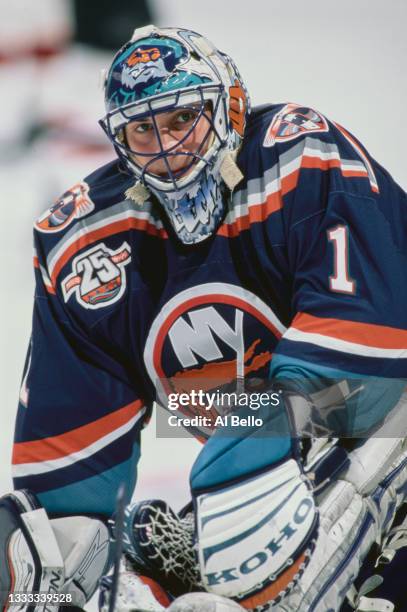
[(175, 107), (170, 143)]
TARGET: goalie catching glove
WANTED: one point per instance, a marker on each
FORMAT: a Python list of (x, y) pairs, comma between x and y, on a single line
[(38, 555)]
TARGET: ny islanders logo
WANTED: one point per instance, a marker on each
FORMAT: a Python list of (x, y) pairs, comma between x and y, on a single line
[(98, 276), (208, 336), (73, 204), (294, 121)]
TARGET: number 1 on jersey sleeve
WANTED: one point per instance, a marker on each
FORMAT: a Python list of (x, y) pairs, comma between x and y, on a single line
[(340, 280)]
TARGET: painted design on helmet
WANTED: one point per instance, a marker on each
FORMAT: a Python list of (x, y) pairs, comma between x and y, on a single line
[(143, 65), (162, 70), (146, 68)]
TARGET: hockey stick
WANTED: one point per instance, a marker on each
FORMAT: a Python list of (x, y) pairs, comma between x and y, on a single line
[(118, 543)]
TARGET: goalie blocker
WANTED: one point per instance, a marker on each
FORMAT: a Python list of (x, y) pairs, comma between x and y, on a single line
[(63, 557)]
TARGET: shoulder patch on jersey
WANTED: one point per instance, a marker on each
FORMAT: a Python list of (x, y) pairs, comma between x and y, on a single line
[(73, 204), (292, 122), (98, 276)]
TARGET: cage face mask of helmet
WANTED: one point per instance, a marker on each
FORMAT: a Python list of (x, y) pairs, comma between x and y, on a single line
[(163, 79)]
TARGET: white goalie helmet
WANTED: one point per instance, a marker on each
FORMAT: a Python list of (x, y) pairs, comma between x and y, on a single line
[(161, 71)]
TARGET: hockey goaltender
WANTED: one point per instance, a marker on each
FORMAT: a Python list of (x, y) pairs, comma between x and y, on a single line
[(231, 243)]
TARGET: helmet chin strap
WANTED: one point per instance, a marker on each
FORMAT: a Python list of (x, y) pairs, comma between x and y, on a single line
[(230, 171), (138, 193)]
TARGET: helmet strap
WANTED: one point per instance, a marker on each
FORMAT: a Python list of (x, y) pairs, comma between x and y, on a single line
[(230, 171), (138, 193)]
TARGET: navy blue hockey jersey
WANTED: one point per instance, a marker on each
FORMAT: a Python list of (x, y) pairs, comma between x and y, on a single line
[(306, 277)]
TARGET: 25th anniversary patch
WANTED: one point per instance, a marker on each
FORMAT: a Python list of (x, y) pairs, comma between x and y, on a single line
[(98, 276)]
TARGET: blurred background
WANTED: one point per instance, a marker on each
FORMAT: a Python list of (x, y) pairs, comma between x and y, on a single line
[(347, 59)]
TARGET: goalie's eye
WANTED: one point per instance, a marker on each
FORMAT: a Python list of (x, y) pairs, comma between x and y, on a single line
[(141, 128), (183, 119)]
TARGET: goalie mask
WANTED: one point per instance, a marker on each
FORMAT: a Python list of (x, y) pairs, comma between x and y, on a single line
[(176, 113)]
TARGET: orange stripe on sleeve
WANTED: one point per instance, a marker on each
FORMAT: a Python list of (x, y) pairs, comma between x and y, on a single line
[(107, 230), (369, 334), (355, 173), (274, 202), (75, 440), (320, 164), (257, 212), (50, 289)]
